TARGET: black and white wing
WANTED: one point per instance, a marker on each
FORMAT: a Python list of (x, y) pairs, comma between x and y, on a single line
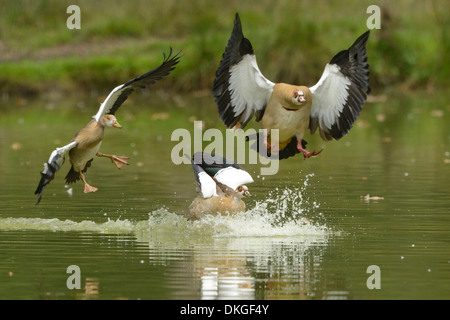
[(222, 169), (53, 164), (233, 177), (340, 94), (240, 89), (206, 186), (121, 93)]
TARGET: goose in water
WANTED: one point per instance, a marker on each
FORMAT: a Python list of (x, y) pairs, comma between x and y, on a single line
[(221, 185)]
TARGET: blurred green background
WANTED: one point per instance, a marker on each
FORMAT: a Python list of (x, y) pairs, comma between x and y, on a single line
[(293, 40)]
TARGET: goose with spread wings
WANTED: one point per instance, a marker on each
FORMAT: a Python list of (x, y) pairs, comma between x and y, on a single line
[(86, 143), (332, 105), (221, 185)]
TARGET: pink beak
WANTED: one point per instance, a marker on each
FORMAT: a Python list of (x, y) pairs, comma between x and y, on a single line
[(117, 125)]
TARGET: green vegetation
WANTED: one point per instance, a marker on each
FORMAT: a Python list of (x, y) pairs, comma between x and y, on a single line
[(293, 41)]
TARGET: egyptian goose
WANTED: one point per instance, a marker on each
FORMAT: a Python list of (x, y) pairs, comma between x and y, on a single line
[(220, 186), (241, 91), (86, 143)]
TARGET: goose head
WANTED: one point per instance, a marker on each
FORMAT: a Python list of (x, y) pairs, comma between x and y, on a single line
[(109, 120), (242, 191), (298, 97)]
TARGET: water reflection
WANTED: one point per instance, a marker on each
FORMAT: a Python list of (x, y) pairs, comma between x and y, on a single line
[(264, 263), (91, 289), (249, 268)]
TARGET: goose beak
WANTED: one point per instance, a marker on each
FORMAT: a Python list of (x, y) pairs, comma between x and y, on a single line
[(247, 194), (298, 95), (117, 125)]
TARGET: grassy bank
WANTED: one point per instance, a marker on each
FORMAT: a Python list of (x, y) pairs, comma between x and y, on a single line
[(293, 41)]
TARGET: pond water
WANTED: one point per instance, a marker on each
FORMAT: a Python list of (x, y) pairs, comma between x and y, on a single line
[(309, 232)]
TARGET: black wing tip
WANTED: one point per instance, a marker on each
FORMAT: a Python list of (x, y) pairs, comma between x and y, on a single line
[(146, 79), (39, 191), (245, 46), (40, 187), (237, 47), (159, 72), (170, 60), (237, 24), (353, 62), (359, 47), (45, 180), (175, 59), (38, 199), (46, 177), (360, 44), (363, 38), (168, 65)]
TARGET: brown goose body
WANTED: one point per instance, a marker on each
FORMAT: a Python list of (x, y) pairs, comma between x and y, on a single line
[(226, 202), (282, 114), (215, 206), (89, 140)]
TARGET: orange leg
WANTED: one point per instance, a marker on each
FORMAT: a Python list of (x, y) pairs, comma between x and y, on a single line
[(305, 152), (87, 187), (117, 160), (272, 148)]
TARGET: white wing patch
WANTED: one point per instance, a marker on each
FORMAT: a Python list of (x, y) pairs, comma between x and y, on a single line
[(207, 185), (108, 103), (61, 151), (250, 90), (329, 96), (232, 177)]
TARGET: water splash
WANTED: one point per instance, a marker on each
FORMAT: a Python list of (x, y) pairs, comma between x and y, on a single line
[(285, 212), (289, 204)]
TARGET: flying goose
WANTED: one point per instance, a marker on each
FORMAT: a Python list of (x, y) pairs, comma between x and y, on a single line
[(220, 185), (86, 143), (332, 105)]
